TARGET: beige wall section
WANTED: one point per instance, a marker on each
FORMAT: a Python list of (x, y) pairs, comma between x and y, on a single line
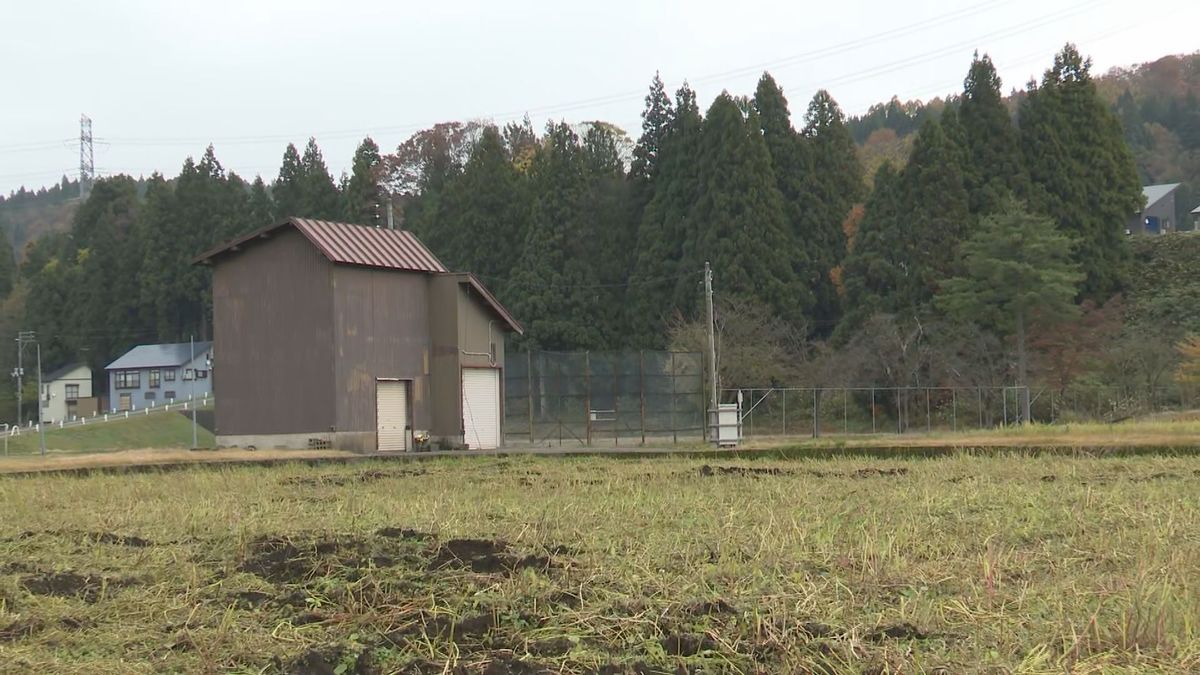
[(381, 319), (273, 339), (476, 324)]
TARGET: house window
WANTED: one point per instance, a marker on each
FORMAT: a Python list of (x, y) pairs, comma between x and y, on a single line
[(189, 374), (151, 395), (155, 378), (169, 375), (72, 392), (169, 395), (201, 374), (128, 379)]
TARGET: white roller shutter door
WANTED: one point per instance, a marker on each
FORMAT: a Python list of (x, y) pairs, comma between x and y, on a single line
[(481, 408), (391, 415)]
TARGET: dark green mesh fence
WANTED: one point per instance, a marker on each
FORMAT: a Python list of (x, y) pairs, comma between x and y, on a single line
[(593, 398)]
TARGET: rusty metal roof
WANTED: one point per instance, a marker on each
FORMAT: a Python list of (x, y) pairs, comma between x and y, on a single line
[(348, 244)]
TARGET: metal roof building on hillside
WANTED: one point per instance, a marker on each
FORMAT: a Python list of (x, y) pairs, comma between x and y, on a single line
[(1158, 216)]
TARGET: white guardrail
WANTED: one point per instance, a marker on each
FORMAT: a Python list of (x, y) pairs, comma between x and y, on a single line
[(100, 418)]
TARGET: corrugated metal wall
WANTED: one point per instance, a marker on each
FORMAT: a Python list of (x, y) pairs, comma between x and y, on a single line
[(273, 339), (381, 320)]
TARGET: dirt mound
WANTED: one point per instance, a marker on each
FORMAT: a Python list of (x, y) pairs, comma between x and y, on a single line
[(118, 539), (687, 644), (709, 608), (403, 533), (707, 471), (485, 556), (899, 631), (69, 584), (19, 630), (872, 472), (280, 560), (336, 479)]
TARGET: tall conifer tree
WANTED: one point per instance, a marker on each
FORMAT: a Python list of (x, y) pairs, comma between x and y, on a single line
[(363, 198), (876, 269), (553, 284), (320, 195), (936, 207), (1082, 171), (738, 223), (658, 267), (995, 168), (833, 185), (288, 190), (486, 212)]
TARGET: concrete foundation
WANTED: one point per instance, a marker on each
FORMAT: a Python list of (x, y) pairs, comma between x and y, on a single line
[(353, 441)]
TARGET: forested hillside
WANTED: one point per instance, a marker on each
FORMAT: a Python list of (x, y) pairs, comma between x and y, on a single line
[(1157, 103), (841, 271)]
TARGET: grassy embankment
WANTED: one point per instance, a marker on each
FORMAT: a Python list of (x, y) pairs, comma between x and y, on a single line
[(525, 564), (157, 430)]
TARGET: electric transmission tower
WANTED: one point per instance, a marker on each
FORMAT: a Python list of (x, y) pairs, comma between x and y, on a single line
[(87, 164)]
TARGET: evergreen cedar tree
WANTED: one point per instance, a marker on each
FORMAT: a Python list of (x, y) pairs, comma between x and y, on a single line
[(592, 256), (1016, 266), (363, 200), (1081, 169)]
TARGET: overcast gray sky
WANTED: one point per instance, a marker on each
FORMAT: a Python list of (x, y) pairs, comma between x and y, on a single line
[(162, 79)]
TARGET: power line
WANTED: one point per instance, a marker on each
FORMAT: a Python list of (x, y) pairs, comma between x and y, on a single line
[(787, 61), (625, 284)]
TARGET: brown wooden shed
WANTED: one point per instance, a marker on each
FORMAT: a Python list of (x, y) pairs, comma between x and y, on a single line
[(352, 336)]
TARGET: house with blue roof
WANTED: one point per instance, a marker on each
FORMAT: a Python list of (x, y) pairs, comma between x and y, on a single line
[(152, 375)]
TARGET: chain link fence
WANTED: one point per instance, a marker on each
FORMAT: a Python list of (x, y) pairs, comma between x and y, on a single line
[(593, 398), (784, 411)]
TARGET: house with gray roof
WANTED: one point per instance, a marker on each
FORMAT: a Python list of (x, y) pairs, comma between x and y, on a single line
[(63, 390), (1158, 216), (151, 375)]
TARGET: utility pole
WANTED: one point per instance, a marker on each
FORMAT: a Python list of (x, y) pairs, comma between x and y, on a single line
[(192, 394), (19, 373), (712, 338), (41, 425), (23, 338), (87, 164)]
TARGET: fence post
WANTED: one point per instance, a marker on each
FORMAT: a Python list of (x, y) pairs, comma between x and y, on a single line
[(928, 421), (785, 412), (979, 390), (616, 402), (751, 412), (899, 416), (845, 410), (1005, 406), (529, 391), (674, 431), (954, 408), (816, 412), (587, 395), (872, 409), (642, 390)]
